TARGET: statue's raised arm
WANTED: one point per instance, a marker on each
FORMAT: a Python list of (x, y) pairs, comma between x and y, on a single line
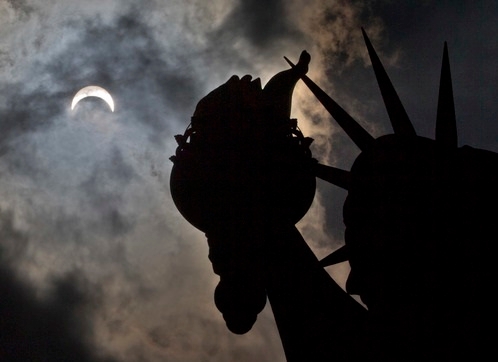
[(243, 174)]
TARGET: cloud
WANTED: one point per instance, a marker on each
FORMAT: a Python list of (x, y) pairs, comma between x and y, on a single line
[(45, 326), (262, 25), (104, 191), (88, 227), (86, 191)]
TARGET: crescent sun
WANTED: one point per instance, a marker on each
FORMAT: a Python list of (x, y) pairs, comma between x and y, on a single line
[(93, 91)]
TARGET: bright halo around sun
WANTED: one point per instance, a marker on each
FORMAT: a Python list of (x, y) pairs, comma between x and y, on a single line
[(93, 91)]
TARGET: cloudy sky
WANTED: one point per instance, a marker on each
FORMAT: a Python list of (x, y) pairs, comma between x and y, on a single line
[(96, 264)]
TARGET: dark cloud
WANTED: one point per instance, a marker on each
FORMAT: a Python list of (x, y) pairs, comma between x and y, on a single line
[(21, 7), (13, 241), (104, 191), (52, 327), (262, 24), (25, 112)]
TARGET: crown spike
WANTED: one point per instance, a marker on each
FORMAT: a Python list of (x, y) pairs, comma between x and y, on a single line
[(352, 128), (399, 119), (333, 175), (446, 132), (338, 256)]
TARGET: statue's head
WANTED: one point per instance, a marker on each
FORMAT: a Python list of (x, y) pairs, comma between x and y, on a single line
[(398, 204), (397, 193), (418, 227)]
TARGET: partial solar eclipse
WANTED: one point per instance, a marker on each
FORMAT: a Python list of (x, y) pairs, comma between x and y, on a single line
[(93, 91)]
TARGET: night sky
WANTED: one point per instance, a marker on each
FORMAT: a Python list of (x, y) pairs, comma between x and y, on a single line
[(96, 263)]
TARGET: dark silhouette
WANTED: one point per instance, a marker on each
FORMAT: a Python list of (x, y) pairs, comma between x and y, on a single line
[(419, 225)]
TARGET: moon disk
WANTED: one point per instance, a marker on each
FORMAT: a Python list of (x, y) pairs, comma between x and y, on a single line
[(93, 91)]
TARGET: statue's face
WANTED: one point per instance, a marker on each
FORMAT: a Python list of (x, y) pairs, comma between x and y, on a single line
[(391, 217)]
